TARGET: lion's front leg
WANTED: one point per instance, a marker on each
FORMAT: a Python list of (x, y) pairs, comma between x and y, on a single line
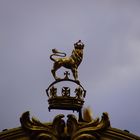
[(75, 73)]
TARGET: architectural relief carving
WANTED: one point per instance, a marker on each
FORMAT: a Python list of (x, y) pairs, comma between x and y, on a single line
[(72, 129)]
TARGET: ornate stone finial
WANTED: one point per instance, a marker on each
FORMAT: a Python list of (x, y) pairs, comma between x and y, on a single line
[(66, 100), (72, 62)]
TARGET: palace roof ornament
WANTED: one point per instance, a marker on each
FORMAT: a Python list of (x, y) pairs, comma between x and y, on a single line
[(67, 93), (66, 97)]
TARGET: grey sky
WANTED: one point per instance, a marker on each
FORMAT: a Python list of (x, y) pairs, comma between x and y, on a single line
[(110, 71)]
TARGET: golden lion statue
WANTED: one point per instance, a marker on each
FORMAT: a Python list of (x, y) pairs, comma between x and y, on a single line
[(72, 62)]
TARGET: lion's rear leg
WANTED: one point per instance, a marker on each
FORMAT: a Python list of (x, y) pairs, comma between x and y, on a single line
[(56, 66)]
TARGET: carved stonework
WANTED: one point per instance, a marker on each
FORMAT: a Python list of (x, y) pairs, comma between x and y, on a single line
[(61, 130), (85, 130), (40, 131)]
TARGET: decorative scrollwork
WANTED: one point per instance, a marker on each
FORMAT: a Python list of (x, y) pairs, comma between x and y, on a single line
[(59, 130), (40, 131), (92, 130)]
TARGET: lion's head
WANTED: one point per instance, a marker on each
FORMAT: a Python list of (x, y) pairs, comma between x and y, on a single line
[(79, 45)]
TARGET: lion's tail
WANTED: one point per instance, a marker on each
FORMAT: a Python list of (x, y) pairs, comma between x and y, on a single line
[(57, 53)]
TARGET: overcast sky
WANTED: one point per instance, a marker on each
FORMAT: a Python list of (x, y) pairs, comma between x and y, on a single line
[(110, 71)]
